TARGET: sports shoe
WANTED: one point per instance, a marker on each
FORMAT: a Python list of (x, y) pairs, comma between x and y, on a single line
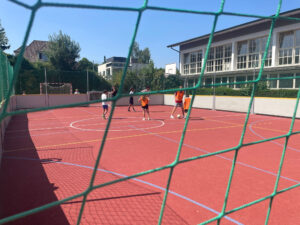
[(148, 118), (172, 117), (144, 118)]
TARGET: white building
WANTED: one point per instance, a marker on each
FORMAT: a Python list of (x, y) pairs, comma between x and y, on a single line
[(115, 64), (170, 69), (236, 53)]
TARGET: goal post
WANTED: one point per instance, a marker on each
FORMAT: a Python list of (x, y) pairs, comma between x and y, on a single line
[(56, 88)]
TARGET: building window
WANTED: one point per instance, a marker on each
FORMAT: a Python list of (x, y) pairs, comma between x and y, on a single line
[(208, 81), (254, 47), (227, 59), (219, 58), (192, 62), (273, 83), (231, 80), (289, 48), (224, 80), (242, 55), (288, 83), (42, 56), (240, 79), (297, 47), (193, 68), (297, 80), (186, 69), (199, 61), (186, 63), (210, 60), (286, 43), (250, 53), (268, 60)]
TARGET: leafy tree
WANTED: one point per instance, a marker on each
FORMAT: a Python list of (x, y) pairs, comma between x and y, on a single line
[(158, 80), (135, 50), (84, 64), (145, 56), (63, 51), (3, 39), (142, 56), (173, 81)]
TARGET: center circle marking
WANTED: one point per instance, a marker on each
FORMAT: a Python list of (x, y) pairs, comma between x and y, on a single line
[(72, 125)]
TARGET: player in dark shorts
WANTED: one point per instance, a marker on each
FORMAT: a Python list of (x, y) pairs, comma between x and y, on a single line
[(131, 100), (114, 91), (144, 102)]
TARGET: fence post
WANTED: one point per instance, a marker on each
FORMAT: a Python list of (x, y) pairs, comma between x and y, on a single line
[(87, 81), (46, 89), (214, 93)]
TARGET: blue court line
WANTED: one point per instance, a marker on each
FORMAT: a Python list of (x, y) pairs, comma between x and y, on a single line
[(274, 142), (138, 180), (222, 157)]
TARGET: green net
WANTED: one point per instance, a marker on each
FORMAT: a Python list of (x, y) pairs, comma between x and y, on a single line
[(5, 78)]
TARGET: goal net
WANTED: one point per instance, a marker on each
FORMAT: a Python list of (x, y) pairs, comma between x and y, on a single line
[(56, 88)]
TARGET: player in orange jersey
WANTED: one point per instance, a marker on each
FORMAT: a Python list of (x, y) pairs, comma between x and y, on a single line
[(186, 104), (178, 102), (145, 106)]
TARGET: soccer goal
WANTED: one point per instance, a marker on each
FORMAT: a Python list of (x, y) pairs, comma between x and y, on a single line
[(56, 88)]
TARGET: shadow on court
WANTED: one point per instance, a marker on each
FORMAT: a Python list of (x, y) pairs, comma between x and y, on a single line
[(196, 118), (24, 183)]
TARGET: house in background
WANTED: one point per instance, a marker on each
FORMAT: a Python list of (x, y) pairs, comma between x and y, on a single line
[(236, 54), (170, 69), (35, 51), (116, 64)]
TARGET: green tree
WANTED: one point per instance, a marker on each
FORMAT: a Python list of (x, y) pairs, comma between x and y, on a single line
[(3, 39), (158, 80), (63, 51), (84, 64), (142, 56), (173, 81), (145, 56)]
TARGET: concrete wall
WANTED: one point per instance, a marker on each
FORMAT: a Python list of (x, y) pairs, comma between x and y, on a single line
[(4, 123), (154, 100), (267, 106), (37, 101)]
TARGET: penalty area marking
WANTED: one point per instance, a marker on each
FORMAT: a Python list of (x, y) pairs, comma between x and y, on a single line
[(161, 123)]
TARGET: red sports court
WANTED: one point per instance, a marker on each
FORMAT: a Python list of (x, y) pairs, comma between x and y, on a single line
[(50, 155)]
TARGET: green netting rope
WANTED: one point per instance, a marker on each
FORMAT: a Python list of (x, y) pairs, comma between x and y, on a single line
[(7, 90)]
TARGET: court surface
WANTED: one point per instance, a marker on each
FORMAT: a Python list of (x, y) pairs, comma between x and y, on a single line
[(50, 155)]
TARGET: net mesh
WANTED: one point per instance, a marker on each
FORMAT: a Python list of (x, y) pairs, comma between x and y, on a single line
[(6, 75), (6, 93)]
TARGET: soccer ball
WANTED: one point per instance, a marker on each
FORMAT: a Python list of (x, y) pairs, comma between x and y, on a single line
[(178, 116)]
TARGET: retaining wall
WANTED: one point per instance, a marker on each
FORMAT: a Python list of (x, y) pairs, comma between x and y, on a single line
[(4, 123), (261, 105)]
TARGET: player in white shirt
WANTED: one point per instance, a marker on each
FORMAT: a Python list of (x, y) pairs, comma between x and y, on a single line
[(104, 104)]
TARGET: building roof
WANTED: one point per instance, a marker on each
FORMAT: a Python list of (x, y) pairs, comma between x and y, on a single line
[(32, 48), (120, 59), (116, 59), (243, 29)]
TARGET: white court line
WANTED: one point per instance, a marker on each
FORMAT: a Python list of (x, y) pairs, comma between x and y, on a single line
[(162, 123)]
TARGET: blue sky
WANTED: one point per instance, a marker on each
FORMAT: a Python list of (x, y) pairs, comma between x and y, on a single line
[(108, 33)]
